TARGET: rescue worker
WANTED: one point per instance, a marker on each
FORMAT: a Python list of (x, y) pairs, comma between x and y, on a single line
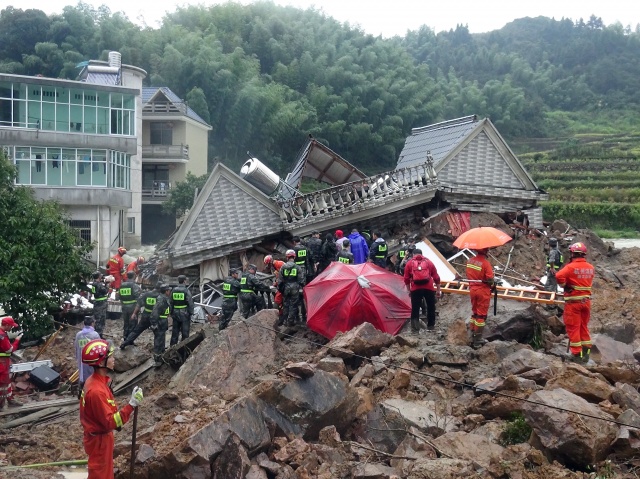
[(250, 285), (314, 245), (481, 284), (182, 302), (303, 260), (100, 296), (115, 267), (6, 348), (554, 263), (159, 322), (144, 306), (407, 256), (345, 255), (129, 293), (378, 251), (135, 265), (328, 252), (230, 290), (99, 414), (423, 282), (576, 277), (88, 333), (290, 284), (274, 266)]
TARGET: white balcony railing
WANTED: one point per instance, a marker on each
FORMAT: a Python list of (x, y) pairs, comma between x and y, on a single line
[(180, 152)]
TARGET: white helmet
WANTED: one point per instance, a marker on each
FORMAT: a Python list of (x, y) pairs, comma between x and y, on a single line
[(290, 253)]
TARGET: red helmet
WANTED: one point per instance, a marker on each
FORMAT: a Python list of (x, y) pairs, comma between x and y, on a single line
[(578, 248), (290, 253), (95, 351), (268, 259), (122, 250), (8, 322), (140, 259)]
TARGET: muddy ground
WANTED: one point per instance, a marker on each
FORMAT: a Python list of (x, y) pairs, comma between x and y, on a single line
[(615, 304)]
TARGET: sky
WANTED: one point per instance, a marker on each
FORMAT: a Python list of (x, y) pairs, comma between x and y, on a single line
[(389, 17)]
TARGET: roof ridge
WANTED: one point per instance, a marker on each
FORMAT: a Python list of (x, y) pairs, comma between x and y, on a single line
[(445, 124)]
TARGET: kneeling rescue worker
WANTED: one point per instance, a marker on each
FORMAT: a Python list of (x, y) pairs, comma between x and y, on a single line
[(576, 277), (99, 414)]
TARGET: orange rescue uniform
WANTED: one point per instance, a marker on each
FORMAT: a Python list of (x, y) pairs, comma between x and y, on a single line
[(576, 277), (99, 416), (115, 267), (479, 269), (133, 266)]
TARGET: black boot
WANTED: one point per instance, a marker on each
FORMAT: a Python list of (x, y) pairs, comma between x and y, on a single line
[(415, 325)]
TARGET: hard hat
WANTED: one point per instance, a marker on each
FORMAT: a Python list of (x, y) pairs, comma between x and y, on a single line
[(141, 259), (268, 259), (95, 351), (8, 322), (578, 248), (122, 250), (253, 266), (290, 253), (553, 242), (96, 275)]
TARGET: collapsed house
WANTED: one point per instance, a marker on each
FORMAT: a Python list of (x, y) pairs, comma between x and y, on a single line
[(456, 165)]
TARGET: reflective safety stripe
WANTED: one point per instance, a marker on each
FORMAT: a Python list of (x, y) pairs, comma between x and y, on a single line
[(179, 307), (111, 402), (229, 296), (342, 259), (473, 266), (582, 288), (100, 299), (576, 345), (166, 313), (4, 355), (247, 291), (577, 298), (129, 302), (401, 254), (382, 251), (118, 420)]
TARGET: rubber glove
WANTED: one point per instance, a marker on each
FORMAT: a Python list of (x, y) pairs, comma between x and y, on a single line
[(136, 397)]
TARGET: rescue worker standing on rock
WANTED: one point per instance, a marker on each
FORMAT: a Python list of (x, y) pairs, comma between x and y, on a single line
[(100, 296), (6, 348), (576, 277), (554, 263), (230, 291), (129, 294), (182, 302), (99, 414), (481, 284), (303, 261), (290, 285), (273, 267), (314, 245), (159, 321), (250, 285), (115, 267), (146, 303), (378, 251)]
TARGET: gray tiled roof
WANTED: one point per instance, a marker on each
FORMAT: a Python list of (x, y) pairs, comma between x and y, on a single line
[(229, 210), (148, 93), (440, 139)]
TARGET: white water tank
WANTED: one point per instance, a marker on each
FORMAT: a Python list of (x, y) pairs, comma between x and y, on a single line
[(260, 176), (115, 59)]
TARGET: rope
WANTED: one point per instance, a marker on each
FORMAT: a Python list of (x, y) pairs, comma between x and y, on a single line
[(433, 376)]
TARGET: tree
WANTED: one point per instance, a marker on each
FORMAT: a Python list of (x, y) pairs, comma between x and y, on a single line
[(182, 196), (41, 258)]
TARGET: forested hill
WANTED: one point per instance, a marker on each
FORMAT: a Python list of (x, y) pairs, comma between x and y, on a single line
[(266, 76)]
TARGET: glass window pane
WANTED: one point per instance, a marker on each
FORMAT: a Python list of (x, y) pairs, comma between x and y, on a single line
[(38, 166), (89, 119), (99, 167), (116, 100), (62, 118), (54, 167), (129, 102), (75, 120), (48, 117), (24, 172), (62, 95), (33, 116), (103, 99), (76, 96), (103, 121)]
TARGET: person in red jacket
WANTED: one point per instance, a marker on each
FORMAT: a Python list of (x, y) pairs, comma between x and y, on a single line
[(576, 277), (273, 266), (422, 280), (481, 282), (134, 265), (99, 414), (6, 348), (115, 267)]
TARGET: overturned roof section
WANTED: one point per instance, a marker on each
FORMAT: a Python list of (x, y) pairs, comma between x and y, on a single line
[(319, 162), (228, 215)]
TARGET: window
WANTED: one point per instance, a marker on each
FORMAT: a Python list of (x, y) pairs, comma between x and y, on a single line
[(83, 228), (161, 133), (131, 225)]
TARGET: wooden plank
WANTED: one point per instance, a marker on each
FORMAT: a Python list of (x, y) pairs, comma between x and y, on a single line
[(31, 417), (130, 376), (36, 406)]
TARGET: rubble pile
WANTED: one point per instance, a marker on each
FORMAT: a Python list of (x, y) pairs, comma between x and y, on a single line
[(252, 402)]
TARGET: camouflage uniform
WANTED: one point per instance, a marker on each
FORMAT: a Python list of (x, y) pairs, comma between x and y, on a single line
[(159, 320), (230, 290), (182, 302), (129, 294), (100, 297), (290, 285), (146, 303), (250, 285)]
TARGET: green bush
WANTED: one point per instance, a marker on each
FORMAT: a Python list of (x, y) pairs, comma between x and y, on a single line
[(516, 431)]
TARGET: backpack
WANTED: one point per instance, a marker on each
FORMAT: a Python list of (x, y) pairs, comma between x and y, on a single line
[(421, 275)]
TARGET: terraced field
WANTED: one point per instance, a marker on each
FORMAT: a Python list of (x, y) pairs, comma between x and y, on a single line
[(595, 184)]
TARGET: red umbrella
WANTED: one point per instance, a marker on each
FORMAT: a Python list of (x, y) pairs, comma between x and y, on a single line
[(481, 238), (344, 296)]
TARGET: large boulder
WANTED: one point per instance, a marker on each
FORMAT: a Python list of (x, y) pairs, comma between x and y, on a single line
[(516, 323), (363, 340), (470, 447), (496, 351), (626, 396), (443, 468), (129, 358), (583, 383), (222, 360), (525, 360), (422, 415), (383, 428), (627, 444), (572, 439), (607, 350), (233, 462)]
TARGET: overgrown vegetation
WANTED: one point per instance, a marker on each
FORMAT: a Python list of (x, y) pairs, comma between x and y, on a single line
[(516, 430)]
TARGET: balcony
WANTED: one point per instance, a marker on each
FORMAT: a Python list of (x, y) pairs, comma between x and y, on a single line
[(157, 193), (166, 153)]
